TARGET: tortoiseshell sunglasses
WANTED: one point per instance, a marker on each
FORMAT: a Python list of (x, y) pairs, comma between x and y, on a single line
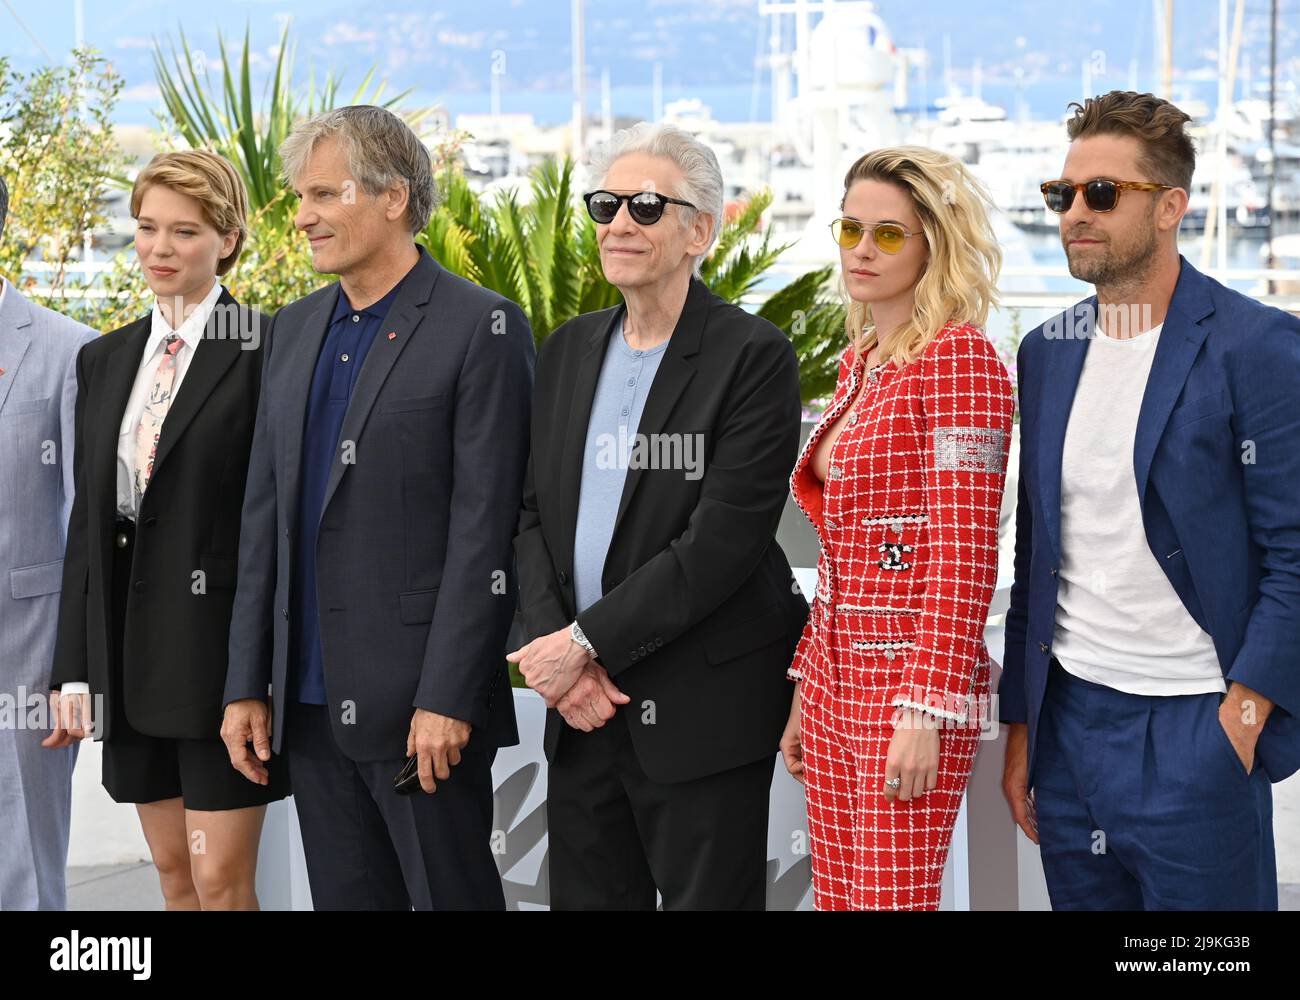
[(1100, 195)]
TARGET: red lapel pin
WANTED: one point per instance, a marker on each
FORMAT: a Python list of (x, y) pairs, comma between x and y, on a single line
[(392, 336)]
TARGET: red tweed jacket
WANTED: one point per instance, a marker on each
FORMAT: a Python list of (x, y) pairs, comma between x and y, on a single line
[(908, 522)]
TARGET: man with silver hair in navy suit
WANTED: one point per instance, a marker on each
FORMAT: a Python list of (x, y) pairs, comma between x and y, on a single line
[(38, 389)]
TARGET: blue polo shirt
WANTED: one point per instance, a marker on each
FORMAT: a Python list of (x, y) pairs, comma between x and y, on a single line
[(351, 332)]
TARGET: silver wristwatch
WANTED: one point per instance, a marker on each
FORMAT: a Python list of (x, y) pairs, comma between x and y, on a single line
[(576, 634)]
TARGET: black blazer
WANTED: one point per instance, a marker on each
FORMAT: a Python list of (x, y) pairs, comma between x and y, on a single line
[(177, 623), (701, 615), (413, 558)]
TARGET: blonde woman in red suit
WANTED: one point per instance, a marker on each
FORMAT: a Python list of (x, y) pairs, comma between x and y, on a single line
[(903, 479)]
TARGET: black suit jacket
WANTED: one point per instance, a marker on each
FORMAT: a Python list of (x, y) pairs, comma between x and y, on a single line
[(187, 529), (701, 615), (414, 572)]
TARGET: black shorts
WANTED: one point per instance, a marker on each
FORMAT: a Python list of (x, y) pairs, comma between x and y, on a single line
[(140, 768)]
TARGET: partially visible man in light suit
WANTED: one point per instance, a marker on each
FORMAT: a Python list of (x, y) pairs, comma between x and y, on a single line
[(376, 573), (38, 392)]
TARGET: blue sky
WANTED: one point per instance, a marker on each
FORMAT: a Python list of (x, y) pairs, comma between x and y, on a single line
[(707, 48)]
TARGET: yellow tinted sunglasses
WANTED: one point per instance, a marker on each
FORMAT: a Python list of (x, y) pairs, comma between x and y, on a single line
[(889, 237)]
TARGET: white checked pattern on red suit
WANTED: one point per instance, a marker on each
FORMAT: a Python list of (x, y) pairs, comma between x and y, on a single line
[(907, 521)]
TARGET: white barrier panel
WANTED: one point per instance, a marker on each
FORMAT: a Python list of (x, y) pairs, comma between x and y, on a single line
[(991, 865), (520, 839), (982, 871), (519, 776)]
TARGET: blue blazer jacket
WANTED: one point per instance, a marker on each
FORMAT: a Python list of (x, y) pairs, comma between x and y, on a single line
[(1217, 465)]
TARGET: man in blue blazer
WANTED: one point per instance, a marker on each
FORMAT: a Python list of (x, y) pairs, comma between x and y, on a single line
[(376, 573), (1152, 668), (38, 393)]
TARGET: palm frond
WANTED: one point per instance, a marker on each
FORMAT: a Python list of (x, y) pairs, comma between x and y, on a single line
[(512, 245), (813, 318)]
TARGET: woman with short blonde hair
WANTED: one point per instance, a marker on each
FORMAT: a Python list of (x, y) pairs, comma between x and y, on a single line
[(902, 478), (214, 185), (164, 424)]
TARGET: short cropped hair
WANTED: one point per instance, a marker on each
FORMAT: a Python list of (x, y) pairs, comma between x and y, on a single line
[(381, 150), (1168, 154), (209, 179)]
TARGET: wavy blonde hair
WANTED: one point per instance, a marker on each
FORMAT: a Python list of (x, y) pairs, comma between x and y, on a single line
[(959, 283)]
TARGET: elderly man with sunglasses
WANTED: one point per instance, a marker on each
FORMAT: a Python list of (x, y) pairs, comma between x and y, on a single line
[(661, 610), (1150, 677)]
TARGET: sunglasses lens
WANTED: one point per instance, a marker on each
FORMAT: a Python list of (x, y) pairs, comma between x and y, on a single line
[(1101, 195), (602, 207), (847, 233), (1059, 196), (890, 238), (646, 208)]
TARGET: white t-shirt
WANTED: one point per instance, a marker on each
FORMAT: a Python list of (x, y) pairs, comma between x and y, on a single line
[(1119, 621)]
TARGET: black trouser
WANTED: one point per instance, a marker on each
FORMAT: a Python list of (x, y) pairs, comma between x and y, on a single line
[(616, 835), (369, 848)]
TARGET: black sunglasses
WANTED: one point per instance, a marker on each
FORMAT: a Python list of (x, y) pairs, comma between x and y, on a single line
[(1100, 195), (645, 207)]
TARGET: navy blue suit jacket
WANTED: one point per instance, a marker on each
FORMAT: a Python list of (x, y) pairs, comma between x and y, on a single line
[(1217, 465), (415, 572)]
